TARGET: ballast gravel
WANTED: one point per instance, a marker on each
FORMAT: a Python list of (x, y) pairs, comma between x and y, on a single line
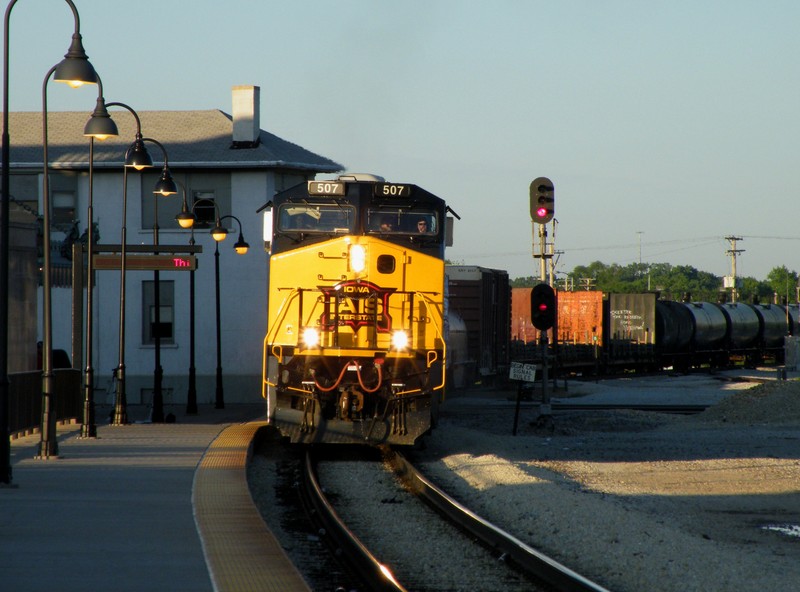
[(638, 500), (633, 500)]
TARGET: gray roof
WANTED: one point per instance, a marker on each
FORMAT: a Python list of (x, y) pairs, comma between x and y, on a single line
[(192, 139)]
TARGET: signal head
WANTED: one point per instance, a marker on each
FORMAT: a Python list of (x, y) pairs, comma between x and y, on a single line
[(542, 195), (543, 307)]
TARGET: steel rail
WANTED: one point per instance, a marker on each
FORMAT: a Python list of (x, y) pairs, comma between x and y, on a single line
[(366, 565), (525, 558)]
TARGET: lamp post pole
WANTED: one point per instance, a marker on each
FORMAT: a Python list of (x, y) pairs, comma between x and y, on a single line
[(191, 397), (165, 186), (219, 401), (5, 437), (75, 67), (88, 426), (137, 157), (186, 219), (100, 126), (48, 445), (241, 248), (120, 416), (158, 372)]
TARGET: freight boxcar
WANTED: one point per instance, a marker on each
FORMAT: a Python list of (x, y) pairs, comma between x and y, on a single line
[(481, 298), (605, 333)]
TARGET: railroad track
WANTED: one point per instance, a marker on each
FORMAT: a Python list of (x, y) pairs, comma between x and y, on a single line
[(508, 563)]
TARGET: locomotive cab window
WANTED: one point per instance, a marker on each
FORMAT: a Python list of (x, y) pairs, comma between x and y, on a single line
[(402, 221), (317, 218)]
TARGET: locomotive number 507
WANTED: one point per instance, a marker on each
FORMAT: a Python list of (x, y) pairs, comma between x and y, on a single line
[(392, 190)]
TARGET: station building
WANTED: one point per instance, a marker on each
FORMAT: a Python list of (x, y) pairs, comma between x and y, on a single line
[(227, 166)]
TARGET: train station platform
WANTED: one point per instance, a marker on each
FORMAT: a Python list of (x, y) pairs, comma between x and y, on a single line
[(141, 507), (166, 507)]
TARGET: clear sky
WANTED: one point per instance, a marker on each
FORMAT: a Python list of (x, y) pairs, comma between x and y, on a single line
[(665, 125)]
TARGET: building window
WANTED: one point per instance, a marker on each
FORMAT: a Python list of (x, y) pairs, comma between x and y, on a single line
[(63, 209), (205, 210), (214, 186), (165, 326)]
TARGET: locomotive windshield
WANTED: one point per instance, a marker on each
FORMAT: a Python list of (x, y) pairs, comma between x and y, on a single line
[(324, 218), (402, 221)]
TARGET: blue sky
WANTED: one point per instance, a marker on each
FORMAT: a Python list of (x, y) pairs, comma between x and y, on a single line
[(665, 125)]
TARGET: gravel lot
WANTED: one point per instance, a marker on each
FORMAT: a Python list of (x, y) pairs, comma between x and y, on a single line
[(638, 500)]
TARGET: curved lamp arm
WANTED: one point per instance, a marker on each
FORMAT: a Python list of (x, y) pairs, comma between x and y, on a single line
[(136, 156), (100, 125), (240, 246), (186, 219), (166, 184)]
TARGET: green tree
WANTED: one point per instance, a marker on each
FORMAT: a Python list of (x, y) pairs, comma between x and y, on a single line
[(781, 283), (675, 282)]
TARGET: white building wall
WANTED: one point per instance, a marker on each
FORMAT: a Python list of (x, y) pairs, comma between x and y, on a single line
[(243, 280)]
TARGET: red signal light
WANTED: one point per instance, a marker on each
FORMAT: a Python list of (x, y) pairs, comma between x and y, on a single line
[(543, 307), (542, 200)]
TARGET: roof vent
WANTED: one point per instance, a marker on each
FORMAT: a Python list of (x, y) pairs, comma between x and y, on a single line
[(246, 121)]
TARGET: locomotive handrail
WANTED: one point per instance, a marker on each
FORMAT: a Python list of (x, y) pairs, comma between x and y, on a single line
[(439, 331), (266, 351), (282, 311)]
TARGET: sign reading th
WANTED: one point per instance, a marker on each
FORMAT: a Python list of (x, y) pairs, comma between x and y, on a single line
[(147, 262)]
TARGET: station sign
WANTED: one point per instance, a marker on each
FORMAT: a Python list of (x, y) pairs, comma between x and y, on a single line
[(146, 262)]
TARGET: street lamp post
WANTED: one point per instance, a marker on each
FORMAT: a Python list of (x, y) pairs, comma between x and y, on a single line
[(48, 445), (219, 233), (191, 396), (165, 186), (138, 158), (186, 219), (100, 126), (74, 67)]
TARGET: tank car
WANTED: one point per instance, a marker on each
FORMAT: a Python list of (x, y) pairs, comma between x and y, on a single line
[(355, 346), (776, 323)]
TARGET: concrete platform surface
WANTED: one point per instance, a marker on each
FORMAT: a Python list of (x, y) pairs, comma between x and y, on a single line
[(112, 512)]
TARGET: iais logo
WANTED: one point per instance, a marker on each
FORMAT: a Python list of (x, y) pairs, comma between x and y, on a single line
[(360, 304)]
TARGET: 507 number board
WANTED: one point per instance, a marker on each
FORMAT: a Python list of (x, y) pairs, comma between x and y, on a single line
[(391, 190)]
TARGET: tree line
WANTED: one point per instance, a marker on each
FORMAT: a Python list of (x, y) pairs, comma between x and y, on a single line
[(674, 282)]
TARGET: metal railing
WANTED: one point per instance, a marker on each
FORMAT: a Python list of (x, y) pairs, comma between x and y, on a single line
[(25, 398)]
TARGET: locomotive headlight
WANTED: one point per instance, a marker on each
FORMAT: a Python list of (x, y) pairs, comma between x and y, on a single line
[(358, 258), (399, 340), (310, 337)]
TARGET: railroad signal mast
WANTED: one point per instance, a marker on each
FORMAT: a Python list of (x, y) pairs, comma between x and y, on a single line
[(543, 297), (542, 204)]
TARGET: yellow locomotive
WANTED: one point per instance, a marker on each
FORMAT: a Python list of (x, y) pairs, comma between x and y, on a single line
[(355, 343)]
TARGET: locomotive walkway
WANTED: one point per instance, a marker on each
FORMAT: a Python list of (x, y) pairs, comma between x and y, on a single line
[(117, 512)]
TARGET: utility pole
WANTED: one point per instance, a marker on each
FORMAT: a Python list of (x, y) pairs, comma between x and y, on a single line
[(639, 232), (733, 252)]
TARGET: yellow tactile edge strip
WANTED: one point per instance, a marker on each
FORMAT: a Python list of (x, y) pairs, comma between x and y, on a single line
[(241, 552)]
